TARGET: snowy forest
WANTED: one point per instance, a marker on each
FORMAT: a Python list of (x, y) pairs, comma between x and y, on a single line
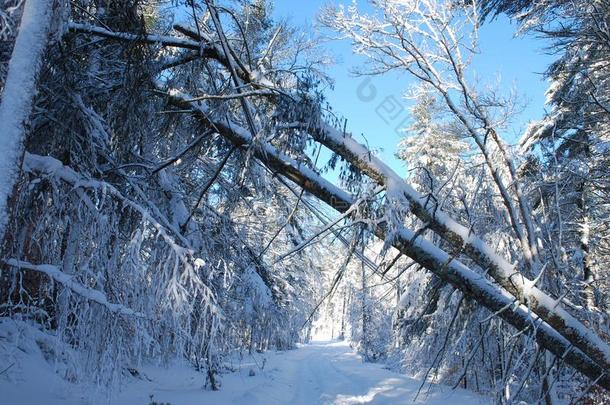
[(183, 212)]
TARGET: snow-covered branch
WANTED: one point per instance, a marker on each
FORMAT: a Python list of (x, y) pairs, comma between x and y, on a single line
[(53, 167), (503, 272), (68, 281), (162, 40)]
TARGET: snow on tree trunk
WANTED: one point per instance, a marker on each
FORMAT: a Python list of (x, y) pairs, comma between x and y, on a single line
[(18, 94)]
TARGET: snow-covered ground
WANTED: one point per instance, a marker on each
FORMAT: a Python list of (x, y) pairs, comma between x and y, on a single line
[(323, 372)]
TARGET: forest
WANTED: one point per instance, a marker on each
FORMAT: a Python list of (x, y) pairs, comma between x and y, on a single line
[(181, 203)]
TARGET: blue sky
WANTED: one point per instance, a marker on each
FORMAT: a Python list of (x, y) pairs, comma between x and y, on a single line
[(519, 63)]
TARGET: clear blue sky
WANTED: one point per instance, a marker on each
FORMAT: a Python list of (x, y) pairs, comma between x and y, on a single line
[(518, 61)]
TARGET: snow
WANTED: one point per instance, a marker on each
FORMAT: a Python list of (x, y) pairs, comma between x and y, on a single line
[(323, 372), (52, 167), (25, 376), (19, 92)]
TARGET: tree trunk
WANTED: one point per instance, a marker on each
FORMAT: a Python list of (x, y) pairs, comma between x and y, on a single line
[(343, 309), (18, 94), (365, 317), (584, 229)]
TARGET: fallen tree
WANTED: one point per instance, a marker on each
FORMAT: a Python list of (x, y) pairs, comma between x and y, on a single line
[(412, 244), (460, 237)]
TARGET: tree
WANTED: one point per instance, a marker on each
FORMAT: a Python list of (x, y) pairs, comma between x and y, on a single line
[(431, 148)]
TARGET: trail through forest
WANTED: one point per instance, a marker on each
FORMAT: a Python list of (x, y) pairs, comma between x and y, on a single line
[(323, 372)]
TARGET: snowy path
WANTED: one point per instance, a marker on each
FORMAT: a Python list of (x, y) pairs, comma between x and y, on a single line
[(318, 373)]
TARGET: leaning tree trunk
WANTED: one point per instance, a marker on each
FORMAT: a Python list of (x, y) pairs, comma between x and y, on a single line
[(506, 274), (413, 245), (18, 95)]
